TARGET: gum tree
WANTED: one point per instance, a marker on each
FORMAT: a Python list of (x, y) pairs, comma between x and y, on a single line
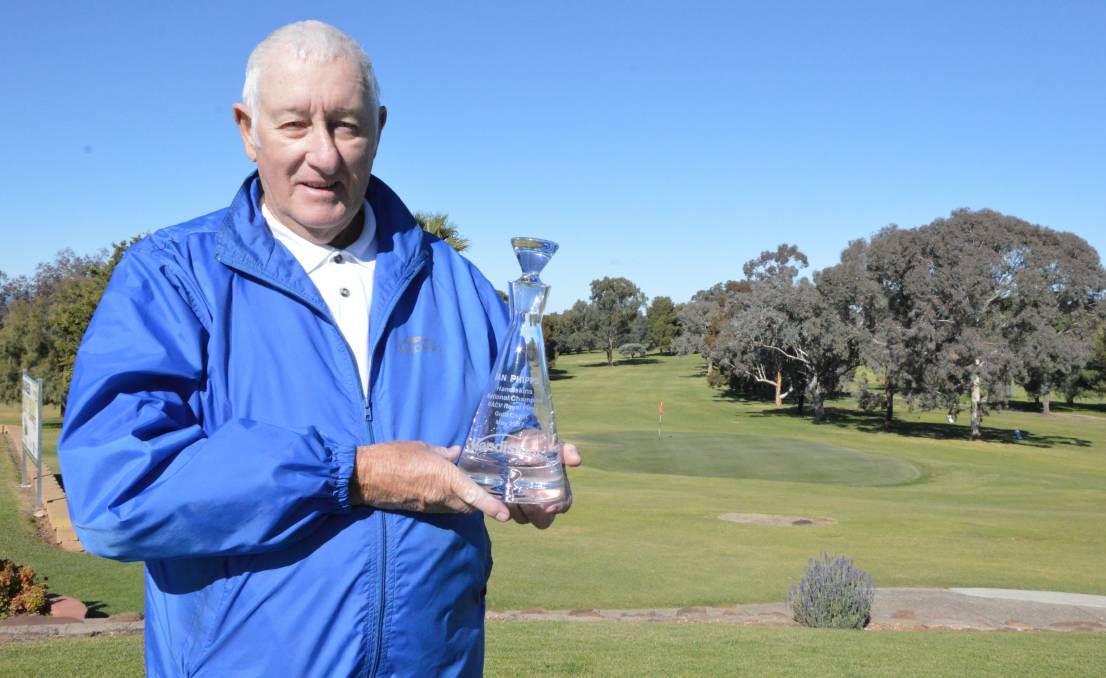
[(616, 303)]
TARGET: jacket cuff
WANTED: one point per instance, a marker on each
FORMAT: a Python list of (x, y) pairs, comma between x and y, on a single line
[(342, 459)]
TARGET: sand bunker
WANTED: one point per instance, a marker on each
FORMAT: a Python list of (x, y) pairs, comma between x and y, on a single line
[(768, 519)]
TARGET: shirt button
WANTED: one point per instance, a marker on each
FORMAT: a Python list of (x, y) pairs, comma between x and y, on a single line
[(337, 259), (344, 291)]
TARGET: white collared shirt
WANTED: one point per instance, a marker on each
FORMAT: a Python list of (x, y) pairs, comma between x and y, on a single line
[(344, 278)]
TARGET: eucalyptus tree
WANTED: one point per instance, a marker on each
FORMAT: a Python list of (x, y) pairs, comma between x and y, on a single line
[(904, 331), (1056, 312), (661, 317), (787, 326), (1092, 376), (576, 331), (698, 320), (746, 337), (616, 303), (973, 259)]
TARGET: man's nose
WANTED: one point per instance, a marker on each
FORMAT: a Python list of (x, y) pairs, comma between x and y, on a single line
[(322, 154)]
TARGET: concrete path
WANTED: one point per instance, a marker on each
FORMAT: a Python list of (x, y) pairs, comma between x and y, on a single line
[(903, 609), (898, 608)]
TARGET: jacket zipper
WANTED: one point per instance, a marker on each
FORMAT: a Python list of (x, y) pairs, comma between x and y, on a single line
[(380, 602), (366, 398)]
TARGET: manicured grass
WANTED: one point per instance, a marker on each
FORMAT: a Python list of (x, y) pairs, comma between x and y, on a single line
[(606, 649), (115, 656), (920, 506), (999, 513), (609, 649), (741, 456), (106, 587)]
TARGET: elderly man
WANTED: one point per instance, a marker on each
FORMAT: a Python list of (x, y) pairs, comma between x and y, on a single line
[(247, 416)]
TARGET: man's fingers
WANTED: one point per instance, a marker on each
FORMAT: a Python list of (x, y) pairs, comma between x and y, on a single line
[(517, 514), (539, 515), (570, 455), (450, 454), (473, 495)]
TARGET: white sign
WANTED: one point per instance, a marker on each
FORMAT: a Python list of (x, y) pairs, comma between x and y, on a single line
[(32, 416)]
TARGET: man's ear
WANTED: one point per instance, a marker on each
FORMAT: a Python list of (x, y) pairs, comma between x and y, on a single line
[(382, 117), (245, 123)]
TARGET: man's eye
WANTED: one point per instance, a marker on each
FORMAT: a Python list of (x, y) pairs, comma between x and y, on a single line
[(347, 127), (293, 125)]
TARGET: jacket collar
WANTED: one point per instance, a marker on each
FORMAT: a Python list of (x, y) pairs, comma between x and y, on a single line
[(245, 243)]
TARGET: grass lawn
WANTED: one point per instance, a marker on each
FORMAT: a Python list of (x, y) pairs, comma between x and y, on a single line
[(105, 586), (920, 506), (607, 649)]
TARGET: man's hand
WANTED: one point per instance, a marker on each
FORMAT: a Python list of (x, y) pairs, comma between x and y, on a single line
[(541, 516), (414, 476)]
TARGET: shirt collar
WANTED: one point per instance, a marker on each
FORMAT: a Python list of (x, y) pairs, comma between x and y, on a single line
[(311, 256)]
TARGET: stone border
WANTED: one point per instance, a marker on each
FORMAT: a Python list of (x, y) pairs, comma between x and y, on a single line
[(71, 629), (894, 609), (53, 498)]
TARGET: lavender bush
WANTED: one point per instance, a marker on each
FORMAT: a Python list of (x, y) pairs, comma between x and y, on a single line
[(833, 594)]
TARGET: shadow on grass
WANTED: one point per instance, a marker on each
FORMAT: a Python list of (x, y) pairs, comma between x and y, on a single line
[(557, 375), (623, 361), (1074, 408), (872, 422), (95, 609), (745, 399)]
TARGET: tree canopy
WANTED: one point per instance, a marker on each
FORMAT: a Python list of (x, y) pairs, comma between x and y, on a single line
[(438, 224), (616, 303)]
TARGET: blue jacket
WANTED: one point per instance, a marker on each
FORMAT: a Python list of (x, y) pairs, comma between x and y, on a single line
[(210, 431)]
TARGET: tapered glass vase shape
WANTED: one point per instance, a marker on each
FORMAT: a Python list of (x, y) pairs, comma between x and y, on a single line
[(512, 449)]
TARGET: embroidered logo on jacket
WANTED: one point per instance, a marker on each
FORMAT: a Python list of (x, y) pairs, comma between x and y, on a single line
[(418, 345)]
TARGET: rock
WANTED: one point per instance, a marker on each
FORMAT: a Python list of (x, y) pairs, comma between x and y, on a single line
[(126, 617), (64, 606)]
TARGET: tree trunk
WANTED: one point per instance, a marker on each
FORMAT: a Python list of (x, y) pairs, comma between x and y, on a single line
[(817, 401), (802, 397), (779, 387), (977, 410), (610, 351), (1046, 401), (710, 365), (889, 415)]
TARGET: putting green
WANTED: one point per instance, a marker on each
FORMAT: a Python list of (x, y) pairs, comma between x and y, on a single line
[(741, 456)]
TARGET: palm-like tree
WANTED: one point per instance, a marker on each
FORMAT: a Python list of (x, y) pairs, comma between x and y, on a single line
[(438, 223)]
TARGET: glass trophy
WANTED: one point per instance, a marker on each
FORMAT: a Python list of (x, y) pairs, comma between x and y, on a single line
[(512, 449)]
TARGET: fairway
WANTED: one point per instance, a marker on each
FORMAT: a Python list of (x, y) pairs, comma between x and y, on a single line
[(920, 506), (742, 456)]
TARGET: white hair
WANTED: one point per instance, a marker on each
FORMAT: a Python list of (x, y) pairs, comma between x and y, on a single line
[(309, 41)]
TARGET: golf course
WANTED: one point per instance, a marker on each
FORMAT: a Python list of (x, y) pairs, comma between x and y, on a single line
[(919, 506)]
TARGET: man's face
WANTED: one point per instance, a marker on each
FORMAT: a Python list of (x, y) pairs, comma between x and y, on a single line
[(315, 144)]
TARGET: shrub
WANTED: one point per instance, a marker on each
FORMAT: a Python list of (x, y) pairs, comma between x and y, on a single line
[(833, 594), (631, 350), (19, 593)]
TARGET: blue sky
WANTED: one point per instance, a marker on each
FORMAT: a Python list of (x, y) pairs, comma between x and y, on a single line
[(665, 142)]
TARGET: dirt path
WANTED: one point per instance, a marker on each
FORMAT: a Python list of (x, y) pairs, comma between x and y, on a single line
[(893, 609)]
